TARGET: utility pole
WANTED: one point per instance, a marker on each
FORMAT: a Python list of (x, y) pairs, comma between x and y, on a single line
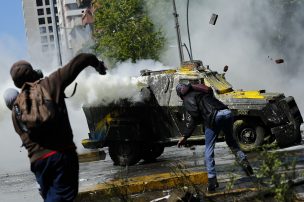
[(55, 28)]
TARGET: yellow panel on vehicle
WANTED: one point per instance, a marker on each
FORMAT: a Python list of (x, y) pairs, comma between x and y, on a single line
[(218, 82), (187, 70), (247, 94), (170, 71), (102, 122)]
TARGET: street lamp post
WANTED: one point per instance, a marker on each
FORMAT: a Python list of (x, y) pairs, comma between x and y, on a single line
[(55, 27)]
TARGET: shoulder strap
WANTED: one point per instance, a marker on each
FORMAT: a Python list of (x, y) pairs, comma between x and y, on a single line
[(17, 116), (74, 91)]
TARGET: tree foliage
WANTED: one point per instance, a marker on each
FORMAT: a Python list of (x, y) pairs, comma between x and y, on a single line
[(122, 31)]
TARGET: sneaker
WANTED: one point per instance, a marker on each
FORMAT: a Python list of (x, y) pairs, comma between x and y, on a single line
[(246, 167), (212, 184)]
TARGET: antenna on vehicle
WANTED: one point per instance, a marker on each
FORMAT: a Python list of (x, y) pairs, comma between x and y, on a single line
[(179, 41), (190, 55)]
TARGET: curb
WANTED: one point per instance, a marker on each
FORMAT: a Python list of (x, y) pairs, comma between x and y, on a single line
[(91, 156), (141, 184)]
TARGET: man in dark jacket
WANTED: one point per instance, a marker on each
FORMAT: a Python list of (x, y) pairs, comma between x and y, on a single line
[(54, 160), (203, 107)]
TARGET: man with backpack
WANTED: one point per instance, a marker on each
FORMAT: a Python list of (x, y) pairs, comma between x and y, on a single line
[(40, 118), (203, 107)]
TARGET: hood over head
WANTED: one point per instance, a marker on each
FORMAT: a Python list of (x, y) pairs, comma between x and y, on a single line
[(182, 89), (21, 72)]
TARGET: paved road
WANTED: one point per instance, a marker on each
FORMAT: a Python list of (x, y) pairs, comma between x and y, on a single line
[(22, 186)]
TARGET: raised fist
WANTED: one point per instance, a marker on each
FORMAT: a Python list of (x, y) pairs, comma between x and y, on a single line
[(101, 68)]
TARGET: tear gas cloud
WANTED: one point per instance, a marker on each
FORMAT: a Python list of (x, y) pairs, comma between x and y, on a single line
[(118, 83), (12, 156)]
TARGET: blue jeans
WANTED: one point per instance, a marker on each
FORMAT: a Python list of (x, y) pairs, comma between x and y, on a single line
[(57, 176), (223, 122)]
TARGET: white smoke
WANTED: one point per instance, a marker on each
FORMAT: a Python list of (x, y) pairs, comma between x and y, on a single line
[(12, 156), (118, 83)]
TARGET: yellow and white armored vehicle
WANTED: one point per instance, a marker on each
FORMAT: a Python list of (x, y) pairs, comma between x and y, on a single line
[(141, 130)]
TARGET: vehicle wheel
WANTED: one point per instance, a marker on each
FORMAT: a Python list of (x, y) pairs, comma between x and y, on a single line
[(152, 151), (248, 134), (124, 153)]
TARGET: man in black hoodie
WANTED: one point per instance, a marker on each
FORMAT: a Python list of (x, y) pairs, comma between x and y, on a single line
[(53, 158), (203, 107)]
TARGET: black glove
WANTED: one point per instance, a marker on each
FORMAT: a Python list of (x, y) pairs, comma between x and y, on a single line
[(101, 68)]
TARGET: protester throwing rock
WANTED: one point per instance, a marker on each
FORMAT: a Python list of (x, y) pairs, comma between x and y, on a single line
[(40, 118), (203, 107)]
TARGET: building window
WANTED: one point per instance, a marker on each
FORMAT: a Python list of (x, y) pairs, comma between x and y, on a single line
[(42, 30), (40, 11), (56, 10), (47, 2), (41, 21), (52, 46), (50, 29), (45, 48), (44, 39), (39, 3), (51, 38), (49, 19), (48, 11)]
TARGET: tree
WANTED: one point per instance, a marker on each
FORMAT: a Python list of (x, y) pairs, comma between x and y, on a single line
[(122, 31)]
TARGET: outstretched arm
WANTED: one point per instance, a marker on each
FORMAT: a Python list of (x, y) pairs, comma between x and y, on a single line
[(67, 74), (190, 126)]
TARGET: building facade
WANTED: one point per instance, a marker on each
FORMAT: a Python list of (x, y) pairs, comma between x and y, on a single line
[(55, 30), (74, 27)]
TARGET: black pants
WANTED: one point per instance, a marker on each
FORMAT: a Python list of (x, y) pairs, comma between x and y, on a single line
[(57, 176)]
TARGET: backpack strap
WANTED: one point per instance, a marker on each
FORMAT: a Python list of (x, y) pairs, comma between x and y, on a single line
[(74, 91), (17, 116)]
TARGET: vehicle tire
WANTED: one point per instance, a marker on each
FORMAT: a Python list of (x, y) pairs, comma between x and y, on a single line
[(151, 151), (124, 153), (248, 134)]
